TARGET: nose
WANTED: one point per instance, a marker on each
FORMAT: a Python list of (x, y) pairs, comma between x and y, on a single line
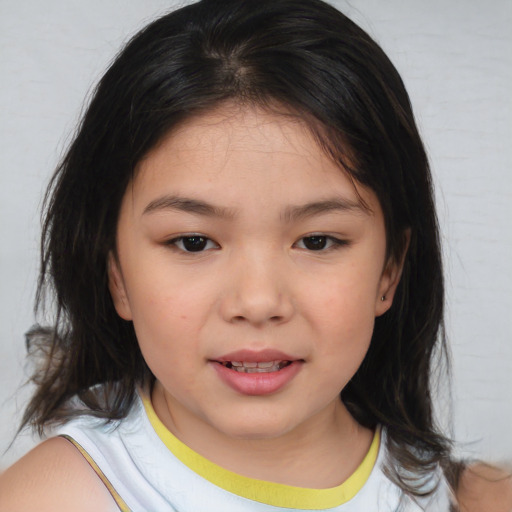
[(257, 292)]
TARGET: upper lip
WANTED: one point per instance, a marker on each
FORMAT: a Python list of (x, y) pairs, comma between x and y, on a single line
[(256, 356)]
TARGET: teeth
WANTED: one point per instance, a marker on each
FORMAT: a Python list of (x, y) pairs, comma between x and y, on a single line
[(267, 364), (260, 367)]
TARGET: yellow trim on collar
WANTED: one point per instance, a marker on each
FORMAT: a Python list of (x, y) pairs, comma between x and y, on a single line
[(270, 493)]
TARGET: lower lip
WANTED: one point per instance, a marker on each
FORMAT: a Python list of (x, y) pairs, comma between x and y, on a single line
[(255, 384)]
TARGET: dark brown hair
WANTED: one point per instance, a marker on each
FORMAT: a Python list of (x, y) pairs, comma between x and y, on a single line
[(303, 55)]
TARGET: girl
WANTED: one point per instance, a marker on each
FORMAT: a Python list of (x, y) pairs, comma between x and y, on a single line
[(244, 253)]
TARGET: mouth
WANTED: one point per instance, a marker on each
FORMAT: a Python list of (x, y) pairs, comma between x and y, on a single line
[(256, 367), (257, 373)]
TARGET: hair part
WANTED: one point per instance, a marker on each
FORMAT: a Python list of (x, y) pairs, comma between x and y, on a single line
[(311, 60)]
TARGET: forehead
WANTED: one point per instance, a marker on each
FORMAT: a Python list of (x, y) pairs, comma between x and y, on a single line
[(235, 151)]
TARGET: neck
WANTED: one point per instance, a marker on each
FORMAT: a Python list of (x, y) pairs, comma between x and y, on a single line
[(320, 453)]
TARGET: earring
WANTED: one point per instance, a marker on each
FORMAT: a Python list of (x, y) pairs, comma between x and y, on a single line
[(383, 298)]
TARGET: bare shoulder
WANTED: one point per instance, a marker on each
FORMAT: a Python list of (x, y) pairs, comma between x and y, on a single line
[(484, 487), (53, 477)]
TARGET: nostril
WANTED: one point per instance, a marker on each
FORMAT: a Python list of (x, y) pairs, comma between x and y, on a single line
[(242, 318)]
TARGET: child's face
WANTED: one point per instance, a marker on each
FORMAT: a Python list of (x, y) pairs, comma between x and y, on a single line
[(241, 241)]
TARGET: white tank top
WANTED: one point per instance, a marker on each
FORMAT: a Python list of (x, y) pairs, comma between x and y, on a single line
[(147, 469)]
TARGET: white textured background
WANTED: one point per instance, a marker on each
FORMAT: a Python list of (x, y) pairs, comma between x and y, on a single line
[(456, 60)]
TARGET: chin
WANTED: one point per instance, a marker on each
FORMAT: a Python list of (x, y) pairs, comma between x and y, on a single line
[(252, 428)]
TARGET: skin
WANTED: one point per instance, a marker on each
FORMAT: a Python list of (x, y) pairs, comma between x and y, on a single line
[(484, 487), (256, 285), (53, 477)]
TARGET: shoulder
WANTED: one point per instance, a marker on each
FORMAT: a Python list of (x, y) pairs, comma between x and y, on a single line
[(484, 487), (53, 477)]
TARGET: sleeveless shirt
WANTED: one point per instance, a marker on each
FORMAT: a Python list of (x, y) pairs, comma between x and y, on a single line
[(147, 469)]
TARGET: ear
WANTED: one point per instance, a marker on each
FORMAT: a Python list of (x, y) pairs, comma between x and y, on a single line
[(390, 278), (117, 288)]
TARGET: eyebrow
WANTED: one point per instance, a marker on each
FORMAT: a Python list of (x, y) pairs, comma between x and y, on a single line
[(188, 205), (336, 204), (290, 214)]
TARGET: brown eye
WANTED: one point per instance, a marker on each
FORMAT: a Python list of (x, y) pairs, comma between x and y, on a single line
[(315, 243), (320, 242), (193, 243)]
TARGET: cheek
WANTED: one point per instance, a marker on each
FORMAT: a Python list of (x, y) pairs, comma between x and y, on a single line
[(347, 297), (165, 322), (343, 315), (166, 329), (168, 299)]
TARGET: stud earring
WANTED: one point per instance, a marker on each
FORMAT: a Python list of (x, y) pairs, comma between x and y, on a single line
[(383, 298)]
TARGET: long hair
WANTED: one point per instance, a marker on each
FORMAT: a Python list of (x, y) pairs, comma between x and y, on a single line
[(310, 58)]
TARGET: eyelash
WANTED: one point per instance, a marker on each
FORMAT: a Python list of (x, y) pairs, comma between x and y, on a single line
[(202, 242), (333, 242), (180, 240)]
